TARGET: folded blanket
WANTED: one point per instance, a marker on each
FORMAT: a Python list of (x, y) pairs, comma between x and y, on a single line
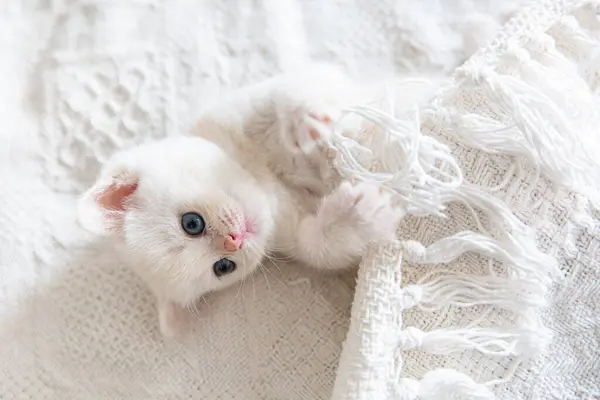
[(493, 285)]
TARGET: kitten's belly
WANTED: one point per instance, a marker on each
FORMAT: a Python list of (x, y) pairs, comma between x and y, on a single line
[(294, 204)]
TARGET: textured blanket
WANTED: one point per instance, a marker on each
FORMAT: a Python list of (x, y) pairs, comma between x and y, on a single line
[(493, 288), (81, 79)]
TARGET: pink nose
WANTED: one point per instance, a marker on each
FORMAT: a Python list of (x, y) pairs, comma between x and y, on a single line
[(234, 242)]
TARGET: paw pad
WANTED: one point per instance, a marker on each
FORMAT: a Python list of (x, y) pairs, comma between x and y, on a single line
[(319, 121)]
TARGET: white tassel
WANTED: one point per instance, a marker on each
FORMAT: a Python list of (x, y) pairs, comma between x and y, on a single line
[(580, 214), (500, 216), (545, 47), (541, 122), (454, 289), (518, 256), (569, 91), (572, 95), (414, 166), (569, 28), (526, 342), (443, 384), (487, 134)]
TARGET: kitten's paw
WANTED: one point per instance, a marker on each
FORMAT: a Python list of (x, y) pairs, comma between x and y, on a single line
[(366, 209), (311, 131), (308, 162)]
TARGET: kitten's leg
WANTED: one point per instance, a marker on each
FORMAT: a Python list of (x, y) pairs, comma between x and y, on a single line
[(347, 221), (304, 128), (171, 318), (251, 111), (284, 121), (307, 161)]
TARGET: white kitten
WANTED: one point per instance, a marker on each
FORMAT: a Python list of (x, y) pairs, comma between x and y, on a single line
[(197, 214)]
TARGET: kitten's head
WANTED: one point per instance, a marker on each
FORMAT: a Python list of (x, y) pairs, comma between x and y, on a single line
[(187, 217)]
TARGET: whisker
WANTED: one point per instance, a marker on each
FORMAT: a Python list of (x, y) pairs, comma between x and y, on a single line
[(242, 290), (241, 282), (273, 275), (253, 290), (278, 258), (276, 265), (204, 300), (273, 257), (193, 309), (269, 258), (280, 248), (262, 269)]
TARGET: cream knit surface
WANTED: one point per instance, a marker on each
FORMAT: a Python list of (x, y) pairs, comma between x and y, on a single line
[(81, 79)]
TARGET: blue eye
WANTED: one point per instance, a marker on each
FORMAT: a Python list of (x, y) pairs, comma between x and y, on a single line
[(192, 223), (223, 267)]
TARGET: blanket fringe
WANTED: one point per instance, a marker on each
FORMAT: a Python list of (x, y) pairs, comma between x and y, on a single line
[(410, 164), (462, 290), (519, 256), (546, 134), (528, 128), (442, 384), (525, 342)]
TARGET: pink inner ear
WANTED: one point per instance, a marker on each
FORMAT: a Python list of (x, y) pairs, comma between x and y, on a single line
[(115, 195)]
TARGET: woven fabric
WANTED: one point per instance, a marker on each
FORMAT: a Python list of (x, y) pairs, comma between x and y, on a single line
[(521, 119), (81, 79)]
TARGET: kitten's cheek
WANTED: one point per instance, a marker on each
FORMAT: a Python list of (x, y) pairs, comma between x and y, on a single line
[(171, 318)]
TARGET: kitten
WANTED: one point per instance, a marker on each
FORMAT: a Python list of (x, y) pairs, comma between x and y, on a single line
[(194, 214)]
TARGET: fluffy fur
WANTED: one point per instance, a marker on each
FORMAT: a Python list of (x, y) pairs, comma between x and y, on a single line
[(253, 168)]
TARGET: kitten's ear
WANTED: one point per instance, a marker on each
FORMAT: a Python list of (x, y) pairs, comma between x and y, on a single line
[(101, 208)]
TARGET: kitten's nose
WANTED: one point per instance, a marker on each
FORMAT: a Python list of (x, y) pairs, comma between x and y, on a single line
[(233, 242)]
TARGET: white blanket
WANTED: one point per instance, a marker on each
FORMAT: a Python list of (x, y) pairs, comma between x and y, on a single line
[(80, 79), (477, 303)]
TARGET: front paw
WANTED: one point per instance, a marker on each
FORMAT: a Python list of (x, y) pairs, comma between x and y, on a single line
[(308, 163), (367, 211), (311, 131)]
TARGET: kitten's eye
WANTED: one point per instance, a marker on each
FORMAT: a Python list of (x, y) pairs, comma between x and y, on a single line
[(192, 223), (224, 267)]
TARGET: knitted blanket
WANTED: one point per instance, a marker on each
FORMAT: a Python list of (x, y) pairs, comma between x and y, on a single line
[(491, 287)]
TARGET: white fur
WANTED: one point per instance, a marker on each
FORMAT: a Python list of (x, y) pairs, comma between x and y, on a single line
[(251, 157)]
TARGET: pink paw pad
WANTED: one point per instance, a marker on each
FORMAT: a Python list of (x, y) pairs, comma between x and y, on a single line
[(320, 118)]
